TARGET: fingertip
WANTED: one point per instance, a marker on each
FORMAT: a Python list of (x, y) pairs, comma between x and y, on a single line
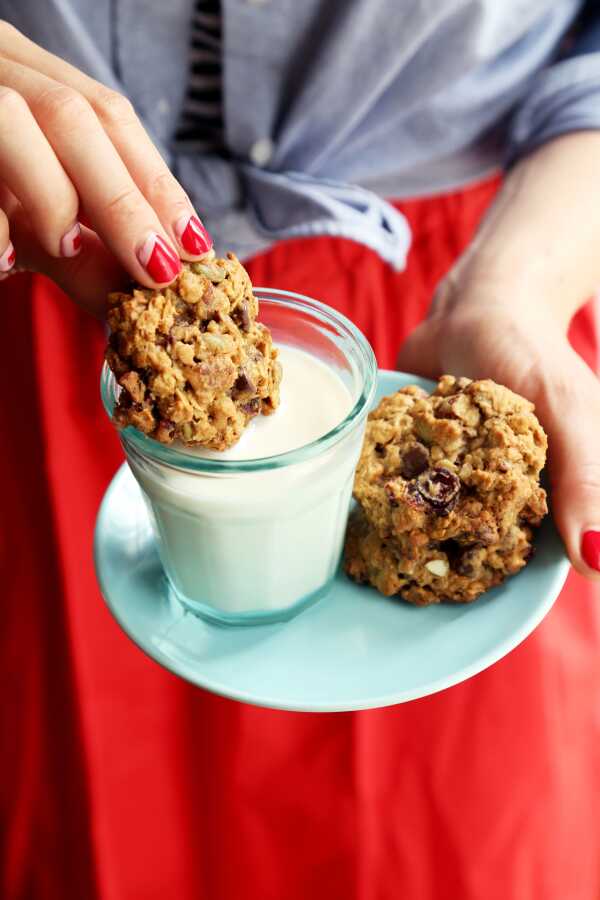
[(417, 355), (7, 259), (589, 550), (159, 261), (192, 236), (70, 243), (582, 545)]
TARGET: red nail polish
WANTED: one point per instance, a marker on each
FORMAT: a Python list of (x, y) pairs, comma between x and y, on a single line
[(590, 549), (7, 260), (159, 259), (70, 243), (193, 236)]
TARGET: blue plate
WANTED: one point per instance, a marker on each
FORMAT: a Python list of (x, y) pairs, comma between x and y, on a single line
[(353, 650)]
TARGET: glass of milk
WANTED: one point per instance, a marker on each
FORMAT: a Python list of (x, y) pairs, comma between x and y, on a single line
[(254, 534)]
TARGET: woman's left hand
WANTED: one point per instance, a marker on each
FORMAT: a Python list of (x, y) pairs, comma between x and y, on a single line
[(481, 330)]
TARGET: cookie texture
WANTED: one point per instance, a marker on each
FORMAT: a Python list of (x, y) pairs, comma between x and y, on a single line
[(448, 491), (193, 363)]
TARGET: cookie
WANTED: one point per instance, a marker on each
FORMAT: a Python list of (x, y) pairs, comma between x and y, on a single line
[(448, 571), (192, 362), (449, 486)]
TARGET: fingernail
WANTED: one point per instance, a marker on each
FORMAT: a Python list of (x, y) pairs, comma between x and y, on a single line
[(158, 259), (70, 243), (590, 549), (192, 235), (7, 260)]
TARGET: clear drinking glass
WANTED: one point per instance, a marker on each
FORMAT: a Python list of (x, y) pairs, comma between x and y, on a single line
[(248, 541)]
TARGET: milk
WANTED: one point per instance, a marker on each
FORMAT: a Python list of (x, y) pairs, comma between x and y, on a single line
[(249, 543), (314, 399)]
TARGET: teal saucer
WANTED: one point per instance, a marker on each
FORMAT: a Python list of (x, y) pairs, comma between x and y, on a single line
[(352, 650)]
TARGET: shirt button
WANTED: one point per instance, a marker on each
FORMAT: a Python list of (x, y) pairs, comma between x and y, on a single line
[(261, 152), (162, 107)]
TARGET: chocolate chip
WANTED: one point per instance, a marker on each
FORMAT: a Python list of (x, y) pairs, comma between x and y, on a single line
[(464, 565), (243, 384), (414, 461), (379, 449), (252, 407), (439, 488), (453, 551)]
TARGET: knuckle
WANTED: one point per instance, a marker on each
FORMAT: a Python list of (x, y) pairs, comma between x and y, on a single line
[(62, 103), (588, 479), (11, 102), (162, 184), (123, 201), (8, 31), (113, 107)]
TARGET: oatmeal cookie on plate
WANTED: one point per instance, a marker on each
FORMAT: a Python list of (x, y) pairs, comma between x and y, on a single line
[(448, 485)]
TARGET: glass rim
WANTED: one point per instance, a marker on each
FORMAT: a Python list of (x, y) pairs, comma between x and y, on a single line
[(178, 459)]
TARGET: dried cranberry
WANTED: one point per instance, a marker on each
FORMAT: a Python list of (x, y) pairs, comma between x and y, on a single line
[(439, 488)]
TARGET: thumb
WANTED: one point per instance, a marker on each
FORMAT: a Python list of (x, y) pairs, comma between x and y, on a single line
[(568, 404), (419, 354)]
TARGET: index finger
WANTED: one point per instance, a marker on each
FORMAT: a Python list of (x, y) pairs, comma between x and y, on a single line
[(133, 144)]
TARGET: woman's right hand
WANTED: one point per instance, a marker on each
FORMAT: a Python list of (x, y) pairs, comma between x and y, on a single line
[(73, 151)]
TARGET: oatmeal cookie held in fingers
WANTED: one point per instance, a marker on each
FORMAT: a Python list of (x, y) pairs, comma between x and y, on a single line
[(448, 486), (193, 363)]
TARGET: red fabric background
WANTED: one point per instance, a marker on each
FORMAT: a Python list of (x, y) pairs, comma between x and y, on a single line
[(119, 781)]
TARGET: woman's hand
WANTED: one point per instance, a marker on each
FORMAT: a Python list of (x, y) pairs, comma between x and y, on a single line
[(482, 328), (72, 152)]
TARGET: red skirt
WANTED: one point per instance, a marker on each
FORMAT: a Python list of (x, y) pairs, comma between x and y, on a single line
[(120, 781)]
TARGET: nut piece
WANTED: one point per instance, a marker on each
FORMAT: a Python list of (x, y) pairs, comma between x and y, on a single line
[(211, 270), (437, 567), (439, 487)]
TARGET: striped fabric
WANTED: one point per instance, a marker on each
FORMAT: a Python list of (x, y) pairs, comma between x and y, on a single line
[(201, 125)]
